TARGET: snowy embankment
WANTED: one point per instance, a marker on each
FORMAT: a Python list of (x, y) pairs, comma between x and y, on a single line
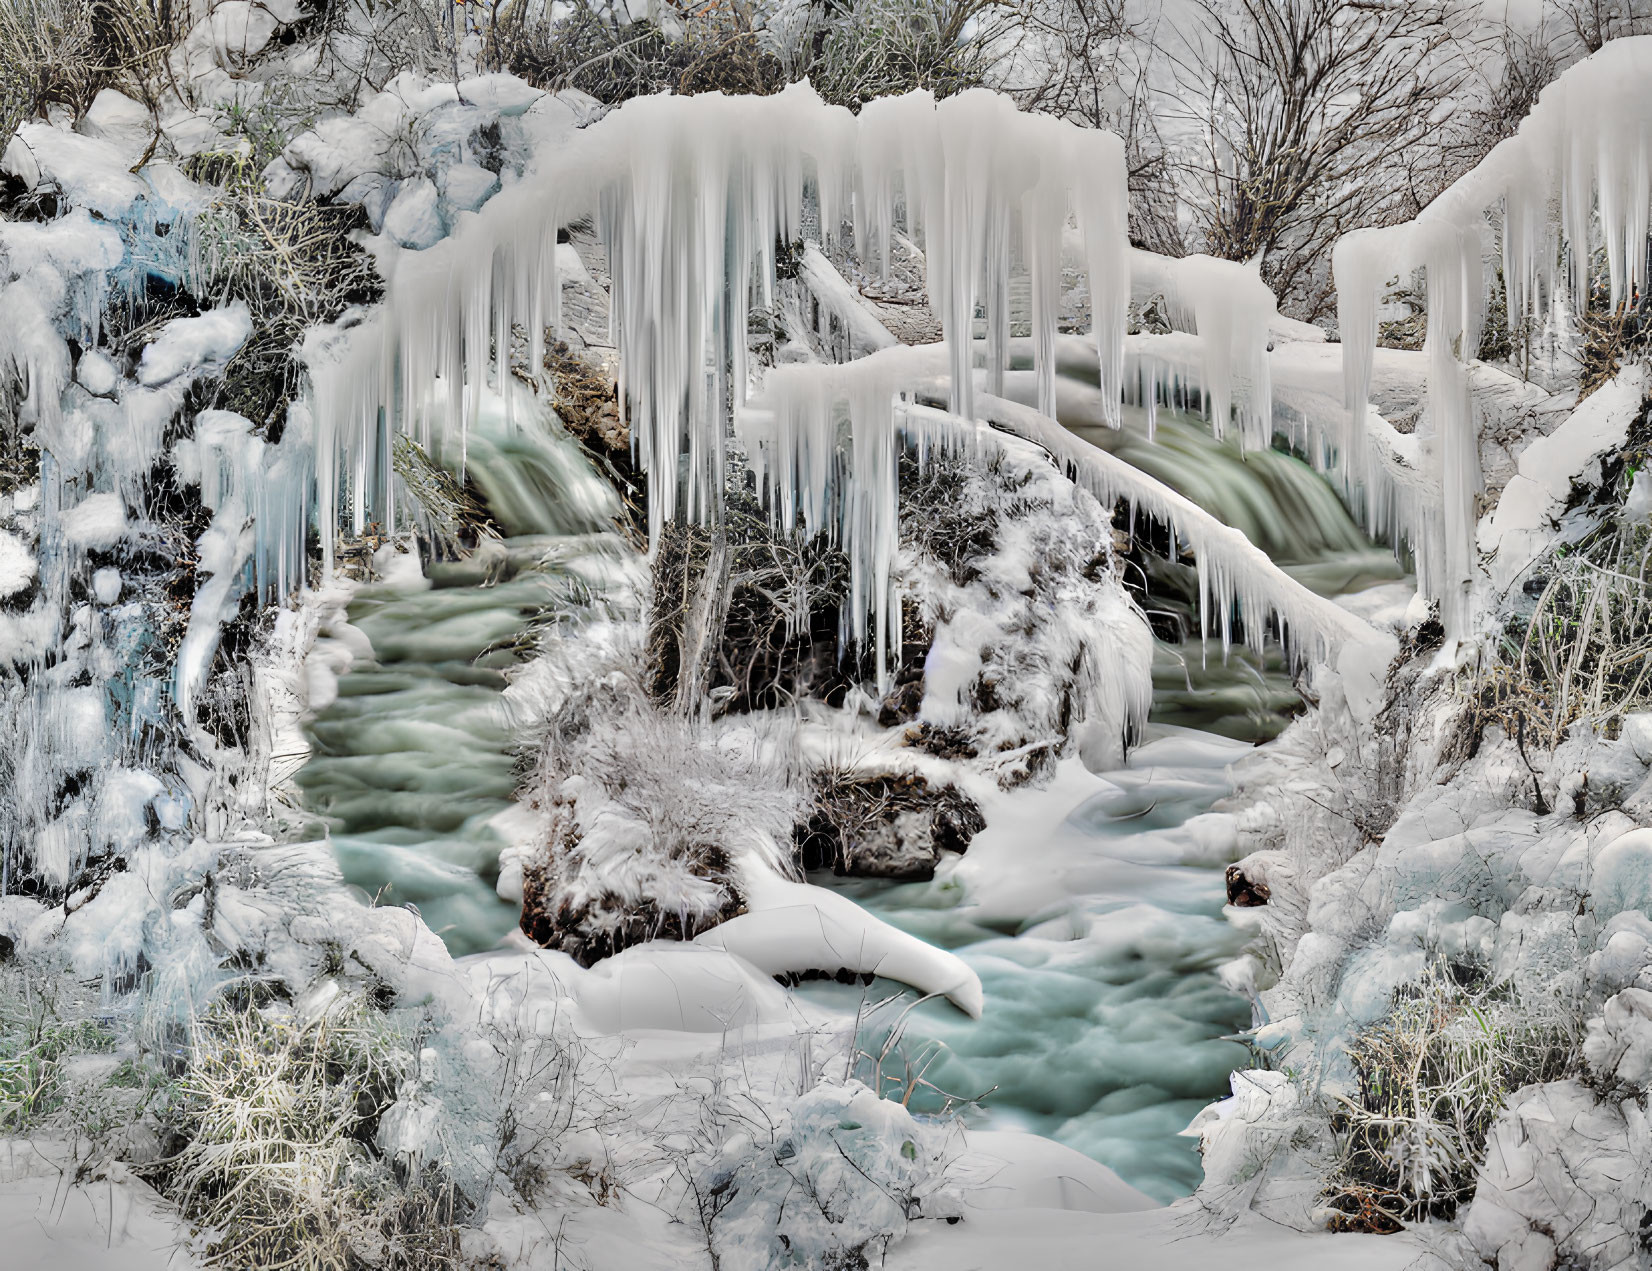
[(1402, 832)]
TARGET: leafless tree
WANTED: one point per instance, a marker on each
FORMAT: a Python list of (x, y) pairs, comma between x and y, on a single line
[(1596, 21), (1308, 116), (1090, 61)]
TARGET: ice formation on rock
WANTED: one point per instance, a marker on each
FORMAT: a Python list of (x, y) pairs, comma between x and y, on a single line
[(1583, 146)]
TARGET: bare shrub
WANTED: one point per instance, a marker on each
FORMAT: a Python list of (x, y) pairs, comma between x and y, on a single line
[(1309, 112), (1431, 1077), (1090, 61), (277, 1114), (1593, 22), (47, 58), (748, 611)]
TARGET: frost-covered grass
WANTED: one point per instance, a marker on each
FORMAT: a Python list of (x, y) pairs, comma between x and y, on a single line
[(1431, 1077), (277, 1114), (1583, 649), (43, 1026)]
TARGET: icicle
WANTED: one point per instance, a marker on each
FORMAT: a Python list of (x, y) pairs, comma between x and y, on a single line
[(689, 196), (1587, 141)]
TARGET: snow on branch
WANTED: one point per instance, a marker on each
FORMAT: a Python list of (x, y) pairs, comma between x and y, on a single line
[(1586, 144)]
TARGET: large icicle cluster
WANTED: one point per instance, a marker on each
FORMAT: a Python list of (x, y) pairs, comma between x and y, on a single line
[(691, 196), (1230, 309), (1587, 145), (801, 408)]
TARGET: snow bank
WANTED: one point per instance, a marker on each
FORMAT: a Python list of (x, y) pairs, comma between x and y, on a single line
[(1522, 526), (54, 1215)]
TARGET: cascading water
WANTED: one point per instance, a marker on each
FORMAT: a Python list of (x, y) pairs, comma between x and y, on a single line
[(1280, 504), (1098, 947), (1095, 922), (415, 760)]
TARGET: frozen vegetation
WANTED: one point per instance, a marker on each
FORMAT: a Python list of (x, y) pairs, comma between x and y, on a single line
[(601, 608)]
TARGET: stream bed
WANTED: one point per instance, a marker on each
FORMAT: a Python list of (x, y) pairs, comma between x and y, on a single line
[(1091, 907)]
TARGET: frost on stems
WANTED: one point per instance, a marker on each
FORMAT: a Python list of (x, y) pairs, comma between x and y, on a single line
[(1585, 649), (1431, 1077), (276, 1118)]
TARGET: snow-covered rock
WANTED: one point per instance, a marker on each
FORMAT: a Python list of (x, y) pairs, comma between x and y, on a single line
[(17, 565), (192, 346), (414, 217), (87, 172), (1567, 1180)]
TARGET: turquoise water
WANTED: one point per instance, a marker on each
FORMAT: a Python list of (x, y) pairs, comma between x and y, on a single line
[(1091, 910), (1104, 1017)]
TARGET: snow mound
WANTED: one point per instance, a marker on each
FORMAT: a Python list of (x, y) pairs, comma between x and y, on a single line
[(832, 1185)]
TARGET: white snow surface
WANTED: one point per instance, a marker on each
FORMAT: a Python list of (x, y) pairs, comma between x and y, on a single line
[(17, 565), (1523, 524), (109, 1221)]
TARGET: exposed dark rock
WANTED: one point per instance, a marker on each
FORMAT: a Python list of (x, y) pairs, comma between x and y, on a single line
[(901, 704), (791, 979), (597, 928), (1244, 893), (886, 826)]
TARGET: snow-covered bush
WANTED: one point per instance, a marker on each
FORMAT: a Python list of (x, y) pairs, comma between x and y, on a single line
[(831, 1185), (293, 263), (649, 818), (1034, 649)]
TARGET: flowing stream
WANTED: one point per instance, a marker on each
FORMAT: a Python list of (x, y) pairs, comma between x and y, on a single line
[(413, 762), (1091, 909)]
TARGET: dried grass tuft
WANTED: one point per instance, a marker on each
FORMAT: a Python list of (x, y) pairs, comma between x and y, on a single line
[(1431, 1077), (277, 1116)]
